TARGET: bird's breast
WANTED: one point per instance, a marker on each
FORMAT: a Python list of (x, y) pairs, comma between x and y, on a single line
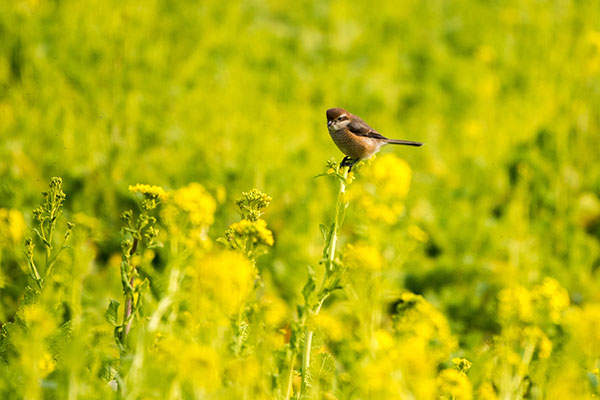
[(354, 146)]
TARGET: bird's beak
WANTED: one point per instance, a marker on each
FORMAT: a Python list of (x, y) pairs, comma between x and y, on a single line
[(329, 122)]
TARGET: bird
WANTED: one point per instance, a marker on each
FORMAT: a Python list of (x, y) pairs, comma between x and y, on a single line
[(355, 138)]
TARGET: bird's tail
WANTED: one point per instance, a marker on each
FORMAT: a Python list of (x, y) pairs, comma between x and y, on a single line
[(404, 142)]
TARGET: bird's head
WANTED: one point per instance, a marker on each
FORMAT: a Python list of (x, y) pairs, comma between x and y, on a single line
[(337, 118)]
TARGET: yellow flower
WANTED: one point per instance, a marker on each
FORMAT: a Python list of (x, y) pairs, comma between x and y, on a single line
[(275, 310), (454, 385), (383, 339), (12, 226), (545, 347), (225, 279), (330, 326), (462, 364), (391, 175), (244, 372), (362, 256), (515, 303), (385, 186), (46, 364), (487, 392), (256, 231), (404, 370), (155, 192), (38, 319), (197, 202), (197, 364), (536, 337), (583, 324), (418, 234), (419, 319), (551, 297)]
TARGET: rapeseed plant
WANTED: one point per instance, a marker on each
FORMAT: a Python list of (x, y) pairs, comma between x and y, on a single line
[(483, 248)]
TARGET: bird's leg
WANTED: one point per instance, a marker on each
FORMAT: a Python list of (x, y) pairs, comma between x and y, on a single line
[(349, 162), (352, 164)]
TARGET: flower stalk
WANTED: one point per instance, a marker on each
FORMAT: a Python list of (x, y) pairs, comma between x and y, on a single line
[(315, 296)]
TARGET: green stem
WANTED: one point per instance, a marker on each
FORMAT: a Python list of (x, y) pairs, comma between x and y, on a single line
[(288, 392), (34, 272), (308, 333), (336, 221)]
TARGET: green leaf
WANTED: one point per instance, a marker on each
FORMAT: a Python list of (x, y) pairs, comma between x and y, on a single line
[(324, 231), (310, 287), (111, 313), (323, 371)]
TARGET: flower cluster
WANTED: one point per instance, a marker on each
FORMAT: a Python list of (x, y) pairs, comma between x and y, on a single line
[(12, 226), (255, 231), (406, 362), (530, 322), (418, 318), (385, 186), (153, 195), (362, 256), (453, 385), (545, 299), (197, 202), (151, 191), (250, 235), (188, 215), (251, 204), (224, 280)]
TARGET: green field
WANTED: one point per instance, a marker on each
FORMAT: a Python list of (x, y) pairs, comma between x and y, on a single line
[(468, 268)]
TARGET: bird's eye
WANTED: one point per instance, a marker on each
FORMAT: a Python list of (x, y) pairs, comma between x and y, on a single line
[(340, 118)]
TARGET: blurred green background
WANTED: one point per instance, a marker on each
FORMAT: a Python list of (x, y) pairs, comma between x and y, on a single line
[(506, 96)]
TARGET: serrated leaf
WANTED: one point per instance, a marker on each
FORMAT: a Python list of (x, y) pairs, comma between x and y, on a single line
[(30, 296), (323, 371), (324, 231), (111, 313), (311, 284)]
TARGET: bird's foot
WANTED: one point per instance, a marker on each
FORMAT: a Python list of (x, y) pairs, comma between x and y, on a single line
[(349, 162)]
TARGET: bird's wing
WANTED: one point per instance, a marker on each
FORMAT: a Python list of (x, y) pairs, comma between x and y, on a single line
[(360, 128)]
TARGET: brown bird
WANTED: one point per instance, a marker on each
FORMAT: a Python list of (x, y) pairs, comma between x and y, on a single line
[(356, 139)]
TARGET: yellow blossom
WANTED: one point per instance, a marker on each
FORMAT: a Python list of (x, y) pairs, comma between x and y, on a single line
[(226, 279), (12, 226), (462, 364), (383, 339), (362, 256), (197, 202), (545, 347), (38, 319), (515, 303), (275, 310), (46, 364), (533, 335), (487, 392), (551, 297), (244, 372), (257, 231), (418, 234), (386, 184), (151, 191), (332, 327), (454, 385), (418, 318), (195, 363), (405, 370), (583, 324)]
